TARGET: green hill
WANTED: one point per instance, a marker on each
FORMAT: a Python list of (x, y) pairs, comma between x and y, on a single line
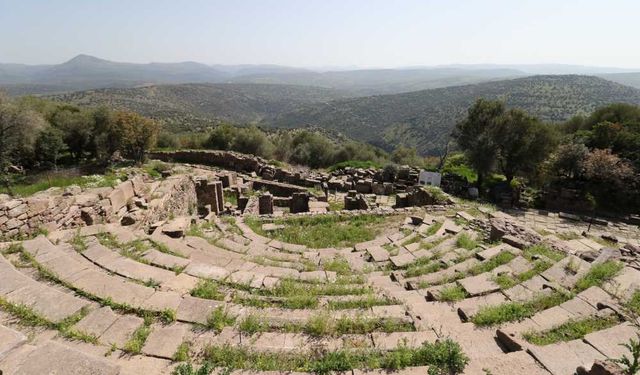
[(424, 119), (196, 106)]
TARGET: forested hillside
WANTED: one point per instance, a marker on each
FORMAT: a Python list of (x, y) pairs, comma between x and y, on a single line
[(424, 119), (421, 119), (196, 106)]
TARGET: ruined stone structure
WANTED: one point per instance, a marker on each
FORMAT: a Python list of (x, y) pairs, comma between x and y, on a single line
[(265, 202), (299, 203), (209, 195), (113, 255)]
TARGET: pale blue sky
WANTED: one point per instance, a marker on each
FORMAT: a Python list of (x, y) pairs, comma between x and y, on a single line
[(365, 33)]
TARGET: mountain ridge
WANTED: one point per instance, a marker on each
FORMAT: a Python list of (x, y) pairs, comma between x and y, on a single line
[(86, 72)]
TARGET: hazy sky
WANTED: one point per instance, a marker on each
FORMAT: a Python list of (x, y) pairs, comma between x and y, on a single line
[(365, 33)]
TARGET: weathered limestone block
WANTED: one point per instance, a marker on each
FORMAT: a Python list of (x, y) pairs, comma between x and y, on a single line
[(299, 202), (121, 195), (505, 225), (265, 203)]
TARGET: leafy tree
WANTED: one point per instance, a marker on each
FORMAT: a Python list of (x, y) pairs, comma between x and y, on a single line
[(619, 113), (473, 135), (167, 140), (252, 140), (77, 129), (522, 143), (49, 146), (312, 149), (135, 134), (221, 138), (605, 167), (104, 140), (405, 155), (18, 130), (567, 161)]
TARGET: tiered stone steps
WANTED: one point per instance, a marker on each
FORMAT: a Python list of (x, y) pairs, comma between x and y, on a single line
[(112, 294)]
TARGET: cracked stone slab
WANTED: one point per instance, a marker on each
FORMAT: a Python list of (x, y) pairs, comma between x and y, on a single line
[(479, 285), (9, 340), (564, 358), (56, 358), (163, 341)]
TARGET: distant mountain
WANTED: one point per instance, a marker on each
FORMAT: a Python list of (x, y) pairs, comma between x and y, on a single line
[(630, 79), (196, 106), (545, 69), (87, 72), (424, 119), (382, 81)]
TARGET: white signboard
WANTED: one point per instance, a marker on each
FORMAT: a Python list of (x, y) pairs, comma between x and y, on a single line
[(430, 178)]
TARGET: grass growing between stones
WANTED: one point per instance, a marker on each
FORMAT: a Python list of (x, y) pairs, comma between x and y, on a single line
[(323, 324), (133, 249), (633, 304), (26, 316), (445, 357), (434, 228), (515, 311), (207, 289), (507, 281), (360, 303), (294, 302), (534, 251), (78, 243), (14, 248), (164, 248), (291, 288), (322, 231), (230, 197), (598, 274), (182, 353), (500, 259), (219, 319), (338, 265), (466, 242), (572, 330), (138, 339), (452, 293), (232, 227), (48, 275), (423, 266)]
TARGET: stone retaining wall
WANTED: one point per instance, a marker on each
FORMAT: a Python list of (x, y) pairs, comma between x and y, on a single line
[(132, 202), (223, 159)]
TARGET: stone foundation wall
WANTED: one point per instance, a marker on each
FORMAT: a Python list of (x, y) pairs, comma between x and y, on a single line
[(132, 202), (223, 159), (175, 196)]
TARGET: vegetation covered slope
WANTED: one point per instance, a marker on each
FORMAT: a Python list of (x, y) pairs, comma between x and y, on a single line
[(383, 81), (195, 106), (629, 79), (424, 119)]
